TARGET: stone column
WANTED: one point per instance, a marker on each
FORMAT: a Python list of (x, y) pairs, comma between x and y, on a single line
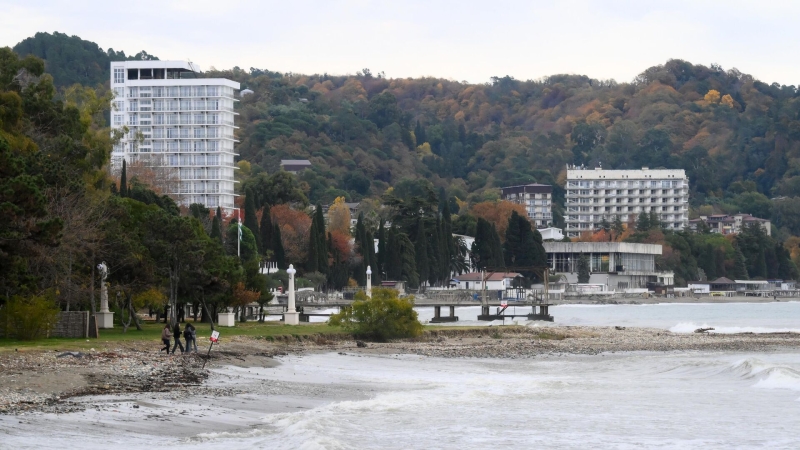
[(291, 316), (369, 282)]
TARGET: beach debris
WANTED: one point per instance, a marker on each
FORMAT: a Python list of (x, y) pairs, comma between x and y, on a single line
[(361, 344), (73, 354), (703, 330), (619, 328)]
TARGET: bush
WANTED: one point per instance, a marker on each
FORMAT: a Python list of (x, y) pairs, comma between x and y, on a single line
[(383, 317), (28, 318)]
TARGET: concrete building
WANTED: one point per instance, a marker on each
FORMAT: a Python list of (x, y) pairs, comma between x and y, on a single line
[(494, 282), (551, 234), (537, 199), (733, 224), (597, 194), (618, 265), (178, 123)]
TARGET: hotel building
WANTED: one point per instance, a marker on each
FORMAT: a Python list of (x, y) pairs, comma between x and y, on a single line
[(178, 123), (596, 194)]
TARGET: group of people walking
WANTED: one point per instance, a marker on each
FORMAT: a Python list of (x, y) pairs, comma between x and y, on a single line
[(189, 334)]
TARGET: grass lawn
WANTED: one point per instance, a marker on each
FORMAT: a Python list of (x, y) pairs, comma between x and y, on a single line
[(152, 332)]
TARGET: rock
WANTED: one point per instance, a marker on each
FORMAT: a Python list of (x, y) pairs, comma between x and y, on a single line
[(73, 354), (361, 344)]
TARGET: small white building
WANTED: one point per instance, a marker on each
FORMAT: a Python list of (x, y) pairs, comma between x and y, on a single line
[(499, 281), (551, 234)]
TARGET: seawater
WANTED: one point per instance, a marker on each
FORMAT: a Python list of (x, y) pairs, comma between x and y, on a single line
[(639, 400), (771, 317)]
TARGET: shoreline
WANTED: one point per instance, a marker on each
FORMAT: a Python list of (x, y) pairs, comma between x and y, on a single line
[(39, 381)]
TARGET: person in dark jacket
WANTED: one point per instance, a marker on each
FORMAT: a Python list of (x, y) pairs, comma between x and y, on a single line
[(190, 334), (177, 333), (166, 335)]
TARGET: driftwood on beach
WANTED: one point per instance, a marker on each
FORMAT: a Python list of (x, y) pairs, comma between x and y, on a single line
[(703, 330)]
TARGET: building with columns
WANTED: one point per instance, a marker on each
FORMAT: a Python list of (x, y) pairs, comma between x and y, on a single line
[(178, 124)]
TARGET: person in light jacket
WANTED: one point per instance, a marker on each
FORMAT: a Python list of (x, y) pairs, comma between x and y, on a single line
[(166, 336)]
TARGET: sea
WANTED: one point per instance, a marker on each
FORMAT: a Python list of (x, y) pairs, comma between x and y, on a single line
[(628, 400)]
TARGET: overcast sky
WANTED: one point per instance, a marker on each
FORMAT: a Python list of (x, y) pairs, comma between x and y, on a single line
[(463, 40)]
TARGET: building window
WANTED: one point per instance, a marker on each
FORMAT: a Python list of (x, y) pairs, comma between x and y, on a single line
[(118, 119), (119, 75)]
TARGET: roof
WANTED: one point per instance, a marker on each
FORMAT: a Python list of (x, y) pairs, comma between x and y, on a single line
[(602, 247), (295, 162), (723, 280), (478, 276)]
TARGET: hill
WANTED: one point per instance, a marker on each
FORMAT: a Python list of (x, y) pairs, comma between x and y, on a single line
[(72, 60), (737, 137)]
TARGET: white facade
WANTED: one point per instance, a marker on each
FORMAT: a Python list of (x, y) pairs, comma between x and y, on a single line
[(596, 194), (177, 123)]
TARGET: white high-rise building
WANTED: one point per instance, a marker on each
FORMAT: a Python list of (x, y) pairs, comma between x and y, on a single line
[(180, 125), (596, 194)]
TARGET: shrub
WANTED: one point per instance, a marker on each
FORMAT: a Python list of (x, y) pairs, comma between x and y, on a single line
[(383, 317), (28, 318)]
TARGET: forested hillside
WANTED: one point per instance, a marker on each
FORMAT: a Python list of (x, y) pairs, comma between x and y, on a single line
[(404, 146), (71, 59), (738, 138)]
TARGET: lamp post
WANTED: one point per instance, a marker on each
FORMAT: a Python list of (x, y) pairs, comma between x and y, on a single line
[(369, 282), (291, 316)]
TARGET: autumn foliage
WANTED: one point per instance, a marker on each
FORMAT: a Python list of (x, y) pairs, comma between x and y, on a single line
[(295, 226), (497, 213)]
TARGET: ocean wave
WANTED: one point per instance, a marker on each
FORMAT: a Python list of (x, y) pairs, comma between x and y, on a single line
[(690, 327), (770, 376)]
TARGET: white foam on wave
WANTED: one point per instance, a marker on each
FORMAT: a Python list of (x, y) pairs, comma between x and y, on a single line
[(770, 376), (690, 327)]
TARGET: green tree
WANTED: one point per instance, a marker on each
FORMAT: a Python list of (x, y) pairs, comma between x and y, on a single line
[(123, 180), (421, 246), (583, 269), (382, 317), (251, 219), (277, 247)]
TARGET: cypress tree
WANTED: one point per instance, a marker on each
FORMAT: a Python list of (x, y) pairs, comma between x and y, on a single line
[(496, 249), (513, 245), (739, 264), (381, 257), (216, 229), (250, 218), (583, 269), (434, 256), (277, 247), (322, 245), (123, 180), (265, 228), (312, 264), (421, 245)]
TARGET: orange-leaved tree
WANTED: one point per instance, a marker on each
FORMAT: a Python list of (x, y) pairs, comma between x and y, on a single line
[(497, 213)]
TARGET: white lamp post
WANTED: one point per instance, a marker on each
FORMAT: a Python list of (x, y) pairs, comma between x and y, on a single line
[(291, 316), (369, 282)]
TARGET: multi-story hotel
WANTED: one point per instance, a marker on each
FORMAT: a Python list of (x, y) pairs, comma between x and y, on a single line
[(597, 194), (178, 123), (537, 199)]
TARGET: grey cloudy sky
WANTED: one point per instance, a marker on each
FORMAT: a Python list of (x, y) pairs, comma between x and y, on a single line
[(463, 40)]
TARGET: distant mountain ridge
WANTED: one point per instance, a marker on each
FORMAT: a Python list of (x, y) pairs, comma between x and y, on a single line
[(71, 59)]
